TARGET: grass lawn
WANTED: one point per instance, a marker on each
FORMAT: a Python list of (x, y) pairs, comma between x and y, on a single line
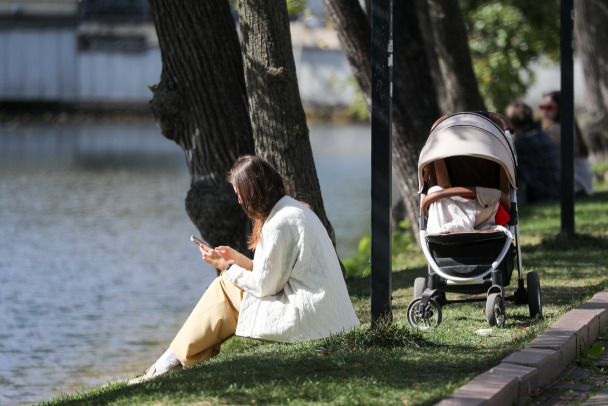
[(394, 364)]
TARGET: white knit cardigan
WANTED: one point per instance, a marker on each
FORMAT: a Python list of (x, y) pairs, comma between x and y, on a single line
[(296, 290)]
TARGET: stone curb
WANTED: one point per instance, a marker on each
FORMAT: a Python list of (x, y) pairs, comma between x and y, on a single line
[(544, 359)]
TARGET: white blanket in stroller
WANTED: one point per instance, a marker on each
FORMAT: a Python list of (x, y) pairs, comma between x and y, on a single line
[(457, 213)]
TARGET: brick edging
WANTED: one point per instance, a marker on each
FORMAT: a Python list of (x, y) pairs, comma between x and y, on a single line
[(544, 359)]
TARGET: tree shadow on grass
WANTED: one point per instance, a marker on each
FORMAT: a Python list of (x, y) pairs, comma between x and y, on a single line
[(560, 254), (573, 295), (316, 376), (561, 242), (564, 243), (401, 279), (273, 380)]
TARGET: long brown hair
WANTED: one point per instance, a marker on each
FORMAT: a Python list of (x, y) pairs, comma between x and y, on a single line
[(259, 187)]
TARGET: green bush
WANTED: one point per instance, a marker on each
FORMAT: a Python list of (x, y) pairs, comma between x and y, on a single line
[(403, 243)]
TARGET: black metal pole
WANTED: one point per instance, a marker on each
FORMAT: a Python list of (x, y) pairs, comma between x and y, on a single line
[(382, 66), (567, 117)]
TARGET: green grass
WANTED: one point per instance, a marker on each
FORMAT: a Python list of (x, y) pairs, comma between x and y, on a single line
[(394, 364)]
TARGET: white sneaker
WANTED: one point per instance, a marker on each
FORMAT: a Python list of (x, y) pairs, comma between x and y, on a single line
[(149, 374)]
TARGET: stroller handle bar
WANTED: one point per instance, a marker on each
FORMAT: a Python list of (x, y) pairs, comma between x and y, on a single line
[(459, 191), (505, 122)]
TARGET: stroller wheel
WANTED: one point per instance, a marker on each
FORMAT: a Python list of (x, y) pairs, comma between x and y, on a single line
[(534, 299), (419, 287), (429, 317), (495, 310)]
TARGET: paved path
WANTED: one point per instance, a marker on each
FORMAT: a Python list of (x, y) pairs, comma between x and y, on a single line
[(546, 367), (582, 383)]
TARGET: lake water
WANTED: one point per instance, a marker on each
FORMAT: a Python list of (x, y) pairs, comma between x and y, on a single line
[(97, 272)]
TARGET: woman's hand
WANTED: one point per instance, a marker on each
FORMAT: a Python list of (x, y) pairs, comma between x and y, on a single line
[(232, 256), (214, 258)]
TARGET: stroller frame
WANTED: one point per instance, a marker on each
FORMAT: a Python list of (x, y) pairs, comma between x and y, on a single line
[(492, 278)]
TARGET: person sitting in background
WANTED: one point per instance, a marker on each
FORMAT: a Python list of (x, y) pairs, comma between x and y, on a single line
[(538, 157), (583, 174), (292, 290)]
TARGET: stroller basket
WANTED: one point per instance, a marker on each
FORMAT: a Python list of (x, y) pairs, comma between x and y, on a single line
[(469, 254)]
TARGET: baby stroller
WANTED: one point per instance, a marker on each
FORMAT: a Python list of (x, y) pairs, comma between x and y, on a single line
[(467, 174)]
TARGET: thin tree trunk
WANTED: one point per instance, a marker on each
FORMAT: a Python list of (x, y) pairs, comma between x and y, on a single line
[(415, 98), (590, 22), (414, 101), (200, 103), (446, 40), (424, 20), (277, 116)]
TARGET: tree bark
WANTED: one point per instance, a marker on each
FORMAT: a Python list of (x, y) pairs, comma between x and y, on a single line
[(414, 98), (276, 113), (590, 19), (200, 103), (446, 41), (435, 72), (415, 106)]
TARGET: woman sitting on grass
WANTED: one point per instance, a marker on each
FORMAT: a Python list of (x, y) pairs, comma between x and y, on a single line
[(292, 290)]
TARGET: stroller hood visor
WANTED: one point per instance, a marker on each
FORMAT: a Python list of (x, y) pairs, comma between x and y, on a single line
[(469, 140)]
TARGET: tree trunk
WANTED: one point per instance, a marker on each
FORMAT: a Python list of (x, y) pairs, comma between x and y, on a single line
[(277, 116), (590, 19), (414, 100), (446, 40), (200, 103)]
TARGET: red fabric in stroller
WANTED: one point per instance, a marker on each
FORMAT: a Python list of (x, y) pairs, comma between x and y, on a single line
[(465, 154)]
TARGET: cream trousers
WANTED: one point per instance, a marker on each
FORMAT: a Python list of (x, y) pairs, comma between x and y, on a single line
[(211, 322)]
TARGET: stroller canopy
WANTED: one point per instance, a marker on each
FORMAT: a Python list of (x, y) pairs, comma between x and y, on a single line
[(468, 135)]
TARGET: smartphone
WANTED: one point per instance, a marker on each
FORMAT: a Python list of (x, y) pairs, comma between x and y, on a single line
[(198, 241)]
